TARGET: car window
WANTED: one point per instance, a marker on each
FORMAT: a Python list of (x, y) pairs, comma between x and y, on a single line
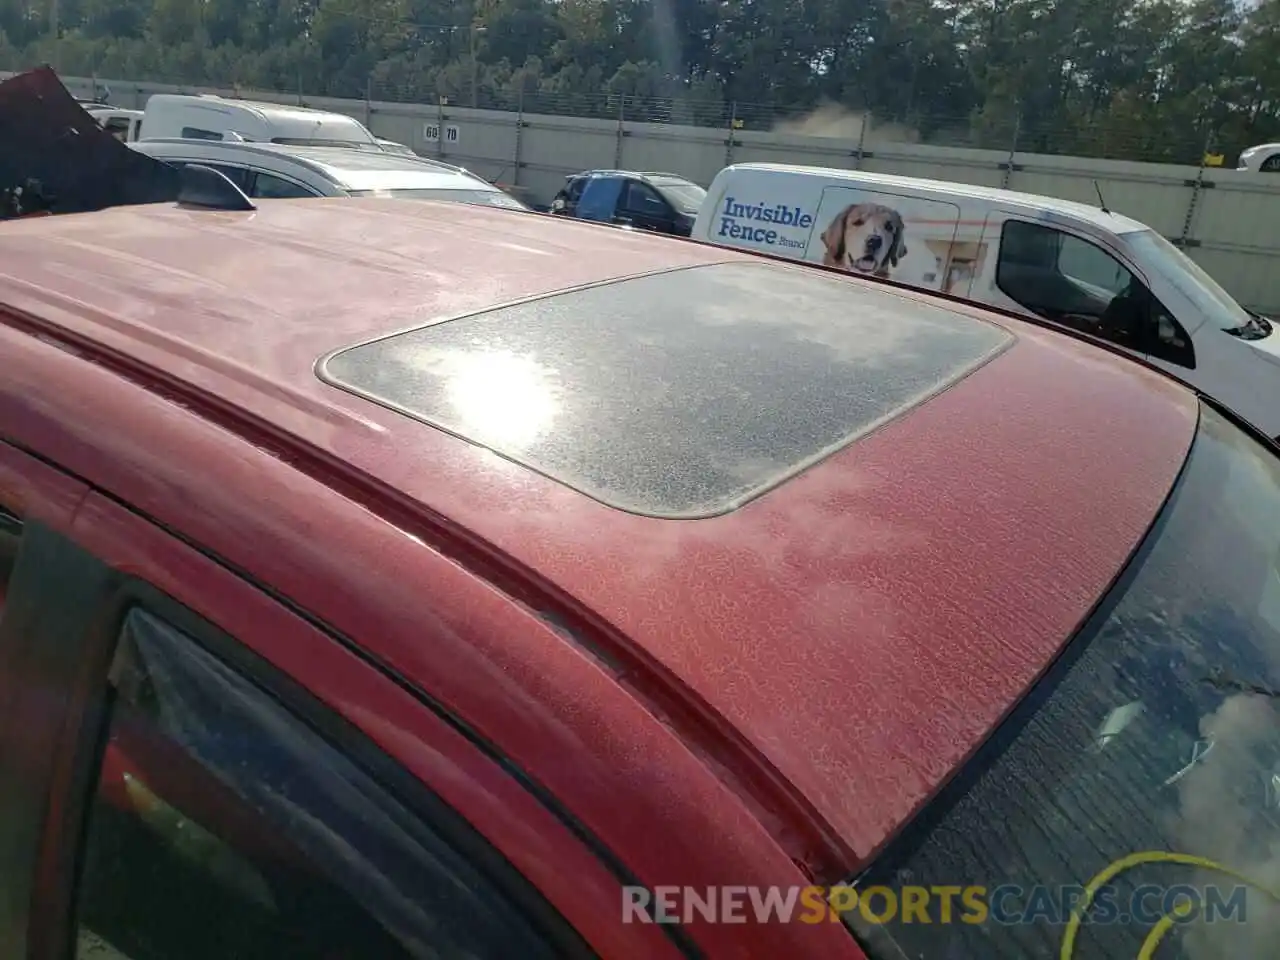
[(196, 133), (575, 188), (1142, 773), (600, 199), (642, 199), (223, 825), (1073, 281), (237, 175), (687, 196), (277, 188)]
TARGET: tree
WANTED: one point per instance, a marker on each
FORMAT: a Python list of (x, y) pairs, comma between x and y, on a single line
[(1150, 79)]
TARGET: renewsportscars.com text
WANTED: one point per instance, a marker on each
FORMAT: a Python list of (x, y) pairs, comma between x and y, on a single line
[(1007, 904)]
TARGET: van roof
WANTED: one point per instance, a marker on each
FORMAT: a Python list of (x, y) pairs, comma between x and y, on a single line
[(261, 108), (1113, 222), (276, 114)]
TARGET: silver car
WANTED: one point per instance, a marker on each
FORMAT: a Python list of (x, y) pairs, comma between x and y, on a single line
[(286, 171)]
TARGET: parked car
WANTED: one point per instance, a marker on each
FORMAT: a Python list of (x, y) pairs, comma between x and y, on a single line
[(286, 171), (1087, 268), (661, 202), (1264, 158), (384, 580)]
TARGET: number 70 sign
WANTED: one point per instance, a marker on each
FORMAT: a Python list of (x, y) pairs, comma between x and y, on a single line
[(431, 133)]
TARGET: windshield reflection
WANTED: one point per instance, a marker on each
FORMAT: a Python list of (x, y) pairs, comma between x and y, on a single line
[(1151, 760), (1218, 306)]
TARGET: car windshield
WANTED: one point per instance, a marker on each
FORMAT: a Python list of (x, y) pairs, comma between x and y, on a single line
[(488, 198), (682, 194), (1159, 255), (1142, 772)]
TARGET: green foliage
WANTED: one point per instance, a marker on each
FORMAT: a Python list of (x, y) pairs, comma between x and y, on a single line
[(1135, 79)]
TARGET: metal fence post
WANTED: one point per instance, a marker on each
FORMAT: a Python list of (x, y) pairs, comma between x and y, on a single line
[(515, 170), (1197, 186), (1013, 150), (440, 127), (622, 119), (862, 139), (368, 101), (733, 129)]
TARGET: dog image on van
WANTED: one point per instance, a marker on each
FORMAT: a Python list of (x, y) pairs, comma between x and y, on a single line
[(865, 238)]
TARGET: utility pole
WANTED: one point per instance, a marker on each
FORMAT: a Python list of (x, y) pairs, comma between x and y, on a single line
[(53, 33), (476, 28)]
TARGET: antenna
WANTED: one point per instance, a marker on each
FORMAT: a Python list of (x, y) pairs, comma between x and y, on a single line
[(1101, 202)]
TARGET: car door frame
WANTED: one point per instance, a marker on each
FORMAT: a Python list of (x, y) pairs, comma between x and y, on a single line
[(37, 630), (994, 228), (250, 171), (118, 560)]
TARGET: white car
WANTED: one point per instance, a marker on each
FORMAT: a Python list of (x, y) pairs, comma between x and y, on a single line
[(1264, 158), (284, 171)]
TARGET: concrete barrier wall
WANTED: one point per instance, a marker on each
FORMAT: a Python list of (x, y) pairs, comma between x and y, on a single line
[(1228, 222)]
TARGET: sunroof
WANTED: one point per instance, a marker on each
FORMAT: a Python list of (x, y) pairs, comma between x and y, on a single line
[(679, 394)]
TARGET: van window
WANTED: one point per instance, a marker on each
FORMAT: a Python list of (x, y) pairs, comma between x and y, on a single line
[(1072, 281), (118, 127), (196, 133)]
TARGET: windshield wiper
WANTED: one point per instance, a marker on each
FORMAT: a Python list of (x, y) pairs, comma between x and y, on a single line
[(1219, 679)]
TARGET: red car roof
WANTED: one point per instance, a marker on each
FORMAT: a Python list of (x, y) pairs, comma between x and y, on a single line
[(856, 629)]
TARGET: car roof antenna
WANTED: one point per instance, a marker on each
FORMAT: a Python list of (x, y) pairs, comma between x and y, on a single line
[(1101, 202)]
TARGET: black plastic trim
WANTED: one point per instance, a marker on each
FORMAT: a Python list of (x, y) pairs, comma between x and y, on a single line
[(48, 665)]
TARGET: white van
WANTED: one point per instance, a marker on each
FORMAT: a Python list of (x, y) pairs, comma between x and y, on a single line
[(124, 125), (208, 117), (1081, 266)]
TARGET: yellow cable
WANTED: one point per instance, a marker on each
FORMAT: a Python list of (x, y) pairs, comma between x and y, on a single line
[(1159, 931)]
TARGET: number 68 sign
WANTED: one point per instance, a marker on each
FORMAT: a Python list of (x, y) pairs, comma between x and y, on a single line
[(431, 133)]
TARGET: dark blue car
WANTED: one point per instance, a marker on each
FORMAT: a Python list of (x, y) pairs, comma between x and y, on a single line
[(662, 202)]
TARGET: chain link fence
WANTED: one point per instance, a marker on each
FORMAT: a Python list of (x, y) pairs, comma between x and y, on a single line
[(1008, 129)]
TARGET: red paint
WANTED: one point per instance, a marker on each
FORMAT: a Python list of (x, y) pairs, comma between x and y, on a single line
[(538, 846), (791, 680), (553, 711)]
